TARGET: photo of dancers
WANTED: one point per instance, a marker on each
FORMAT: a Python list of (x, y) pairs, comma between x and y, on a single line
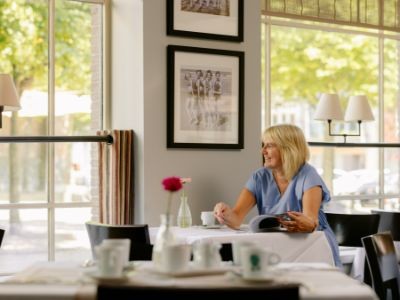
[(206, 99), (215, 7)]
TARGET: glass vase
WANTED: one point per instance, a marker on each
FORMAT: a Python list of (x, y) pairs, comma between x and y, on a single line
[(165, 237), (184, 218)]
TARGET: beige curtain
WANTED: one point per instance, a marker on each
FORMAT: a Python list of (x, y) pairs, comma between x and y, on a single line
[(379, 14), (116, 193)]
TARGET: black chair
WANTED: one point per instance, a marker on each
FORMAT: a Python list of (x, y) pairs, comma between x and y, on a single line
[(350, 228), (389, 221), (382, 262), (125, 292), (226, 252), (2, 231), (141, 249)]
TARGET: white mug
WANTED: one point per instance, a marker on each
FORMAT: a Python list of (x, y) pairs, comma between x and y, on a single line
[(206, 254), (256, 260), (207, 218), (236, 247), (110, 260), (124, 243), (175, 258)]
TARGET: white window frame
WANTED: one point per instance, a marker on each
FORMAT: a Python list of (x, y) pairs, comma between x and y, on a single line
[(51, 205)]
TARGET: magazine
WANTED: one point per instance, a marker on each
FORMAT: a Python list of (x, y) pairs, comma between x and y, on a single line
[(267, 223)]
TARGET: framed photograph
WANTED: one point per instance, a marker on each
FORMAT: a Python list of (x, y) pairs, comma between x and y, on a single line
[(208, 19), (205, 98)]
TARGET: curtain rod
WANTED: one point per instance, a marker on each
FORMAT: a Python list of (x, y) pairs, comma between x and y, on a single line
[(56, 139), (109, 140), (355, 145)]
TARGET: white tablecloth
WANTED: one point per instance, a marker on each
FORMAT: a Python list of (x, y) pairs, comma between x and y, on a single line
[(56, 281), (357, 269), (292, 247)]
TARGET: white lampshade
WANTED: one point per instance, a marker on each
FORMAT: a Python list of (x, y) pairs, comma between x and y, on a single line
[(358, 109), (8, 94), (329, 108)]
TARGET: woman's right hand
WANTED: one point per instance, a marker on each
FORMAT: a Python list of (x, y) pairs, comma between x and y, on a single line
[(225, 215), (221, 212)]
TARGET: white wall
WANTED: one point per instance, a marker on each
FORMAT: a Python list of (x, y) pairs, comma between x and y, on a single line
[(139, 102)]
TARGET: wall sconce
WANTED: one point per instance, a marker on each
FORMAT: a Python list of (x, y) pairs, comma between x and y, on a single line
[(8, 95), (329, 109)]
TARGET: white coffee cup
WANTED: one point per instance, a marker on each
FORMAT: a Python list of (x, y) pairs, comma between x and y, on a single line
[(236, 247), (206, 254), (175, 258), (207, 218), (124, 243), (256, 260), (110, 260)]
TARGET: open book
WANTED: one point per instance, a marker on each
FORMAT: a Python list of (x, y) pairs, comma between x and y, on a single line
[(266, 223)]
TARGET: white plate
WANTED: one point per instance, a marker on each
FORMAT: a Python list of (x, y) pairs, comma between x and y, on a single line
[(193, 271)]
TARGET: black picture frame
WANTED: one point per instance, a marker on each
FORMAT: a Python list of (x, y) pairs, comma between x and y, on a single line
[(197, 21), (205, 98)]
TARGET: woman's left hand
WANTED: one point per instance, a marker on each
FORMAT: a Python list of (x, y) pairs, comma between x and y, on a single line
[(299, 222)]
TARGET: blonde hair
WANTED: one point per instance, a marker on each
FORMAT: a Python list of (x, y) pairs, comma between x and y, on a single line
[(292, 146)]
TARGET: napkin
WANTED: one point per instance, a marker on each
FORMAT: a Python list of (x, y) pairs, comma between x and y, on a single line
[(47, 275)]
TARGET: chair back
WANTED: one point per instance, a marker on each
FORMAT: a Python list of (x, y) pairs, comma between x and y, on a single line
[(389, 221), (125, 292), (2, 231), (382, 263), (141, 249), (350, 228), (226, 252)]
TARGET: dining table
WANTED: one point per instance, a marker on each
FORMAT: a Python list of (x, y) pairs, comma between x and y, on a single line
[(66, 281), (292, 247), (357, 259)]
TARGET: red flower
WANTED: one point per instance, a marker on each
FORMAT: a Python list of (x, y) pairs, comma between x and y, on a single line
[(172, 184)]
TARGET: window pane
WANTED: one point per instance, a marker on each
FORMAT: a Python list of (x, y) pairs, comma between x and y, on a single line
[(391, 203), (25, 240), (72, 242), (76, 175), (392, 124), (23, 48), (352, 205), (392, 170), (23, 178), (78, 68), (306, 63), (391, 92)]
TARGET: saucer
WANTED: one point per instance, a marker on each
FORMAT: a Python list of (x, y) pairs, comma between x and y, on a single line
[(212, 226), (110, 279), (264, 278)]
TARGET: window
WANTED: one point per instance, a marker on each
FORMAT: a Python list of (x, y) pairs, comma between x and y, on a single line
[(54, 51), (303, 59)]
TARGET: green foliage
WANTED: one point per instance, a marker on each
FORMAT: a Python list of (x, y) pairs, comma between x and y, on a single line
[(305, 63), (24, 44)]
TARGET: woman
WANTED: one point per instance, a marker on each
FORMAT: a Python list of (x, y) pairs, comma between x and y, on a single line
[(286, 183)]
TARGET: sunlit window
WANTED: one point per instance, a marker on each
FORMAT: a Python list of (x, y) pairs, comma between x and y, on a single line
[(303, 60), (53, 50)]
